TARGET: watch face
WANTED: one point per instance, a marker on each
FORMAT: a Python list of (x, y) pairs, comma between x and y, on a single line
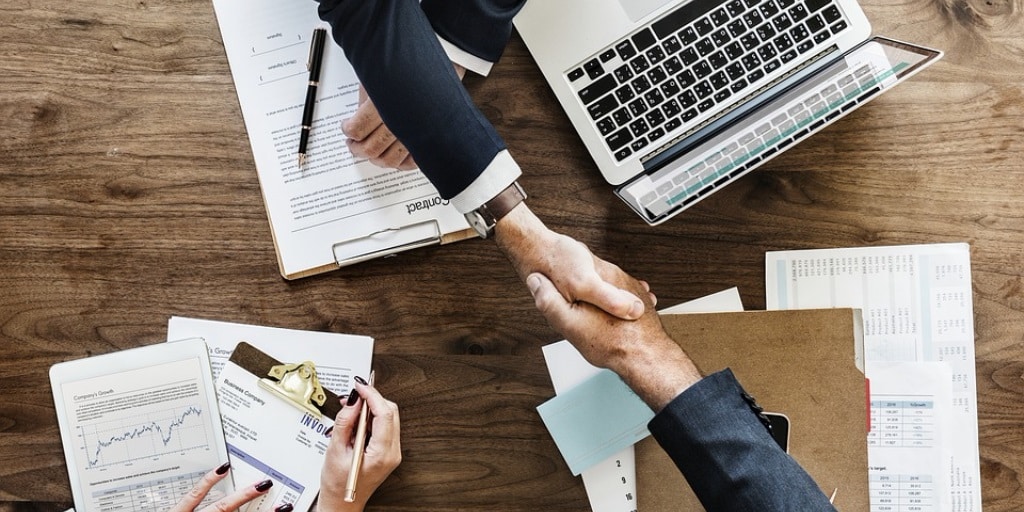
[(476, 221)]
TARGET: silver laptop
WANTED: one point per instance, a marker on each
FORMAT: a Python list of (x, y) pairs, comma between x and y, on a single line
[(675, 99)]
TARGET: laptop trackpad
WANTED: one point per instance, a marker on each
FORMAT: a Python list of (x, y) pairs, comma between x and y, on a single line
[(637, 9)]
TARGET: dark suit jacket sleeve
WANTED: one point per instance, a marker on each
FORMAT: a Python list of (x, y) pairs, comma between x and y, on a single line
[(728, 457), (479, 27), (398, 59)]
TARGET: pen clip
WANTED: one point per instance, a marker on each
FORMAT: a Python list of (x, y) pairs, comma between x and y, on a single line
[(312, 47)]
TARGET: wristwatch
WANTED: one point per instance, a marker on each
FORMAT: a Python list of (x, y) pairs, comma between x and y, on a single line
[(484, 218)]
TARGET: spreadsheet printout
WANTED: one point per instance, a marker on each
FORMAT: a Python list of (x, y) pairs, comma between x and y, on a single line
[(911, 410), (917, 306)]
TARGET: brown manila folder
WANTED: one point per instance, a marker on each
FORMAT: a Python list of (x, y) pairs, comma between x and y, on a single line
[(800, 363)]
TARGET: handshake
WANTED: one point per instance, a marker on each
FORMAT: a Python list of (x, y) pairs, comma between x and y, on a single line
[(606, 314)]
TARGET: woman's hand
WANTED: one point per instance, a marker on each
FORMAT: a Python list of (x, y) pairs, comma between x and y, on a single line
[(232, 501), (383, 450)]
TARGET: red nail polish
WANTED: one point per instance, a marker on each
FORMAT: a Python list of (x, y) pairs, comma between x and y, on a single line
[(223, 468), (264, 485)]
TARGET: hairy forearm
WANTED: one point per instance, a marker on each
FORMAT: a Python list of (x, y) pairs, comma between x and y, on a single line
[(644, 355), (657, 370), (521, 234)]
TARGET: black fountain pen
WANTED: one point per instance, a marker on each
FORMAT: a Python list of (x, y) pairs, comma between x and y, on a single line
[(316, 54)]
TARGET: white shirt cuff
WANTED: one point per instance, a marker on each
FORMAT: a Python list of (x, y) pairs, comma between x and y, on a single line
[(498, 175), (465, 59)]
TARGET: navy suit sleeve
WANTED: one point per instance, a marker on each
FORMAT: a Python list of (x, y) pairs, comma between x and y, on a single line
[(479, 27), (727, 456), (399, 61)]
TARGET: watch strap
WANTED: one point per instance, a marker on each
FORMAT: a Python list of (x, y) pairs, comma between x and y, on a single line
[(501, 204)]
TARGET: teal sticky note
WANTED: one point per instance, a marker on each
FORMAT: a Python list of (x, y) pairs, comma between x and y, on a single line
[(595, 420)]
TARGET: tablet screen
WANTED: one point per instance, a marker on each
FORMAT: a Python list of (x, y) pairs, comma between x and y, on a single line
[(139, 427)]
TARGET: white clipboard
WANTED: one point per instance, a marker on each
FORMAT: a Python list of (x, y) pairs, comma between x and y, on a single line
[(387, 242), (334, 210)]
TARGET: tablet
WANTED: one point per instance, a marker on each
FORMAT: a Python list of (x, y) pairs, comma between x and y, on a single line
[(140, 427)]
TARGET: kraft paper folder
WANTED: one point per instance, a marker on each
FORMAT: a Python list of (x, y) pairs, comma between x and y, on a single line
[(802, 363)]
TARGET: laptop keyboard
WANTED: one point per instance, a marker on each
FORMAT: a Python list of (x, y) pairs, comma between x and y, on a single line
[(682, 68)]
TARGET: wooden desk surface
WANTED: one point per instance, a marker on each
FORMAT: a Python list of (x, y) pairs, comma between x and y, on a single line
[(128, 194)]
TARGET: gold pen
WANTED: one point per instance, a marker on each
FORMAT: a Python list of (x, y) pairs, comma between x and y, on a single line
[(358, 448)]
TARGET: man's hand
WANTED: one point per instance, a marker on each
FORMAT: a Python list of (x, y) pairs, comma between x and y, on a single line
[(370, 138), (640, 351), (575, 271)]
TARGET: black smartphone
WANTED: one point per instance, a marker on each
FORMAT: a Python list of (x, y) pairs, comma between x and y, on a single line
[(780, 429)]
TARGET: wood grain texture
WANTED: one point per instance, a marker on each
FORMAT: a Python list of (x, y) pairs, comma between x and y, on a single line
[(128, 194)]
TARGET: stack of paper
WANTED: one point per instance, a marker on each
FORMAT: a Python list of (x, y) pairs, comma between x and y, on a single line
[(919, 349), (918, 355)]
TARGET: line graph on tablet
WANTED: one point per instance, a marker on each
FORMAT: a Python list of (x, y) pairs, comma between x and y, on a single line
[(160, 432), (119, 426)]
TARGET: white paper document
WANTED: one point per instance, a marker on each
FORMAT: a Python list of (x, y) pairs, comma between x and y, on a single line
[(334, 208), (911, 411), (267, 437), (611, 484), (917, 304), (338, 357)]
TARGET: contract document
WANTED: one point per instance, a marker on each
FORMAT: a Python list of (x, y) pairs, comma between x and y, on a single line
[(336, 209), (917, 303)]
